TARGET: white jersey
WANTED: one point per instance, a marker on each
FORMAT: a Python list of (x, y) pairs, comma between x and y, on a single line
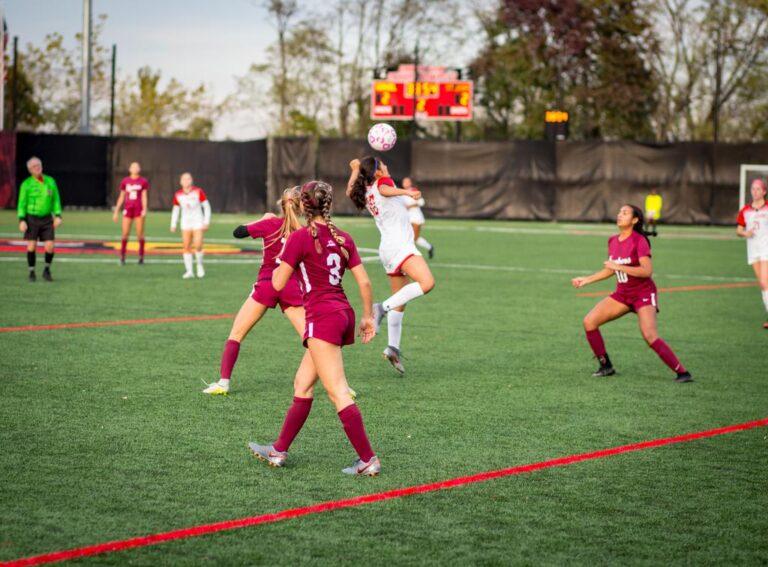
[(755, 220), (194, 208), (414, 210), (391, 216)]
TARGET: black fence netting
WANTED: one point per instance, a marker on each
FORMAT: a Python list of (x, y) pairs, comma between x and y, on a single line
[(7, 170)]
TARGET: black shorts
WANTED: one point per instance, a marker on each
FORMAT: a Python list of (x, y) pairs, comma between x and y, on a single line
[(39, 228)]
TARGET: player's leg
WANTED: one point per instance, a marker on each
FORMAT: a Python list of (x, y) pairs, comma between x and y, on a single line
[(198, 246), (606, 310), (416, 231), (646, 318), (186, 245), (31, 254), (126, 232), (250, 313), (761, 272), (295, 417), (395, 326), (423, 282), (421, 241), (330, 367), (140, 236)]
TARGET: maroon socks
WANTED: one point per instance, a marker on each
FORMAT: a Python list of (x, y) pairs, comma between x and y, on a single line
[(228, 358), (123, 248), (665, 353), (596, 343), (353, 426), (294, 421), (141, 248)]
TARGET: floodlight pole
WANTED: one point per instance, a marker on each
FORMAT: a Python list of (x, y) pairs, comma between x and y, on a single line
[(112, 94), (85, 95), (15, 83)]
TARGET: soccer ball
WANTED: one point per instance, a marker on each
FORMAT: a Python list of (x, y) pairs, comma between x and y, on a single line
[(382, 137)]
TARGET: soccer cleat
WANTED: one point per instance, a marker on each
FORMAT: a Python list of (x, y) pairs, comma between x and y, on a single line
[(32, 276), (606, 368), (683, 377), (200, 272), (141, 261), (218, 388), (47, 275), (122, 261), (188, 275), (765, 325), (352, 394), (392, 354), (268, 453), (431, 252), (361, 468), (378, 315)]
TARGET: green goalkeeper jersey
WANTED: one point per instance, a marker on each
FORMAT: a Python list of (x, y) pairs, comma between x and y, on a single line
[(39, 198)]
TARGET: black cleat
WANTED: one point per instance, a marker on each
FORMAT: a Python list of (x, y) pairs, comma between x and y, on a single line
[(47, 275), (683, 377), (141, 261), (431, 252), (606, 368), (32, 276)]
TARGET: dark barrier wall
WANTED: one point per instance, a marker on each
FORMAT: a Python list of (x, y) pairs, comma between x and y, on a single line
[(7, 169), (77, 163), (291, 162), (232, 174)]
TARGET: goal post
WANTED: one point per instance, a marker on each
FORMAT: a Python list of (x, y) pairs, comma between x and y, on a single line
[(748, 173)]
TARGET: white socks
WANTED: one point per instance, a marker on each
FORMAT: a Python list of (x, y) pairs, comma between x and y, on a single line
[(765, 299), (421, 241), (199, 258), (188, 262), (394, 328), (411, 291)]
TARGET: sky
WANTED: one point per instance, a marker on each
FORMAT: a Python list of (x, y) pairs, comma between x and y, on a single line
[(194, 41)]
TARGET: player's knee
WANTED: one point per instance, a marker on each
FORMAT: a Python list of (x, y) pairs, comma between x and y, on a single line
[(427, 284), (650, 337), (589, 323)]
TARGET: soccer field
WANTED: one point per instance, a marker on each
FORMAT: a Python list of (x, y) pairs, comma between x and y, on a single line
[(105, 434)]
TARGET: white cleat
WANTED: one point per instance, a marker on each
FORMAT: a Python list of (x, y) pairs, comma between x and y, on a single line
[(188, 275), (217, 388), (378, 315), (200, 272)]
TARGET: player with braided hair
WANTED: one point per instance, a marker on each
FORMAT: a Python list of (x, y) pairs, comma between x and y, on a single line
[(629, 259), (371, 187), (321, 253), (273, 230)]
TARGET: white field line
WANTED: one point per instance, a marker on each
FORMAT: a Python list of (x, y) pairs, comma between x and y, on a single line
[(374, 259)]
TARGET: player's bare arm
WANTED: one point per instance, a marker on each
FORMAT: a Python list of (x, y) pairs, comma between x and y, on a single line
[(354, 165), (644, 270), (603, 274), (118, 206), (389, 191), (281, 276), (743, 232)]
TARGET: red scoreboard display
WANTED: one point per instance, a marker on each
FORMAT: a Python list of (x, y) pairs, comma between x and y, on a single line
[(437, 95)]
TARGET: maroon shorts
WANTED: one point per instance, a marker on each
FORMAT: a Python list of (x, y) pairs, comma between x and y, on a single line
[(337, 328), (264, 293), (131, 213), (638, 299)]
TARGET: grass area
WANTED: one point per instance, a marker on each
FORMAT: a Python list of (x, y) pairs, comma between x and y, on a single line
[(105, 433)]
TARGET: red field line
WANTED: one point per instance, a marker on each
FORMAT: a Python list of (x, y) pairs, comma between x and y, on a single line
[(671, 289), (204, 529), (112, 323)]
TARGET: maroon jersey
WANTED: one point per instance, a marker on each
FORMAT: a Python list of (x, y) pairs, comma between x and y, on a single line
[(133, 191), (268, 229), (628, 253), (321, 273)]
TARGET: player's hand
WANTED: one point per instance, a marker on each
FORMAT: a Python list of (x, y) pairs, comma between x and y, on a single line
[(748, 234), (613, 266), (578, 282), (415, 194), (23, 226), (144, 213), (173, 229), (205, 227), (56, 222), (367, 329), (114, 216), (354, 164)]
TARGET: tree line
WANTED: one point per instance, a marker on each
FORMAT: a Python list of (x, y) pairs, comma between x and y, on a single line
[(656, 70)]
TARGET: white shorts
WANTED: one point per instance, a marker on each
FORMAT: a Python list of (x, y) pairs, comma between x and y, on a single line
[(651, 214), (416, 216), (393, 260), (192, 224), (752, 258)]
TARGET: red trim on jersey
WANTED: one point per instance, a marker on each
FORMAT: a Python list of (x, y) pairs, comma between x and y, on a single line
[(399, 270), (740, 218), (202, 194), (385, 181)]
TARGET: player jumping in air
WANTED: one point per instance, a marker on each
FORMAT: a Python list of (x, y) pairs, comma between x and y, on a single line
[(752, 224), (274, 230), (321, 253), (417, 217), (629, 258), (371, 187), (191, 203), (133, 201)]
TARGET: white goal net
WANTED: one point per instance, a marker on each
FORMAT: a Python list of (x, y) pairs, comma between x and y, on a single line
[(750, 172)]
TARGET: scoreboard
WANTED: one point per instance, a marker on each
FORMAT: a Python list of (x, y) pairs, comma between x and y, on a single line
[(437, 95)]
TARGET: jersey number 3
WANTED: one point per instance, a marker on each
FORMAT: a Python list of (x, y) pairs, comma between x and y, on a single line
[(334, 262)]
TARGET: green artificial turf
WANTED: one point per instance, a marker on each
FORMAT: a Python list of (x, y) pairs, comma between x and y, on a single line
[(105, 434)]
